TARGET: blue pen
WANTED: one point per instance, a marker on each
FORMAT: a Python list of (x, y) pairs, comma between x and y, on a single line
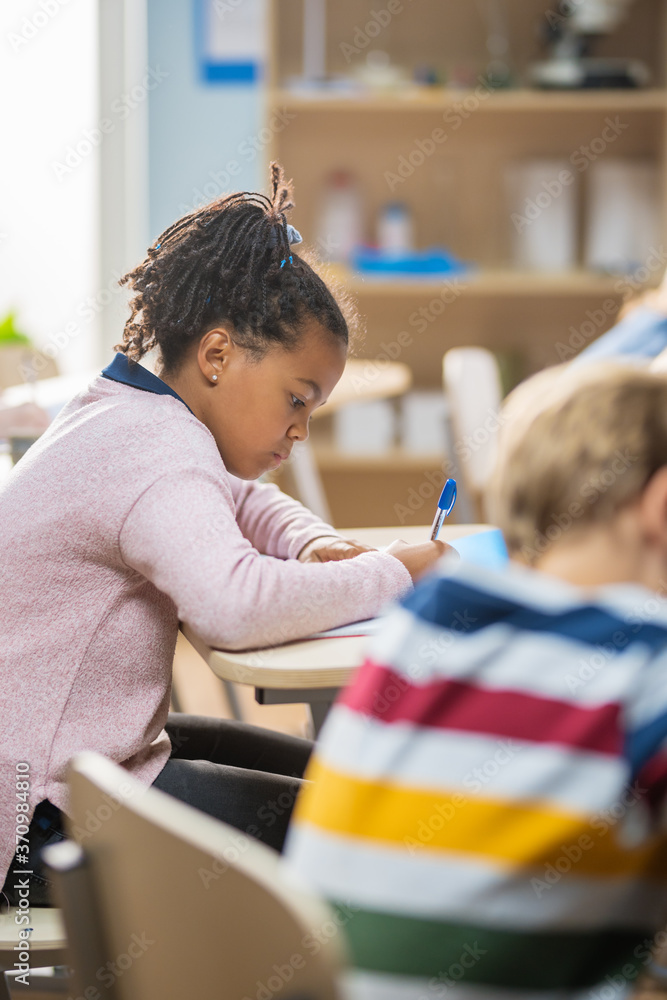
[(445, 505)]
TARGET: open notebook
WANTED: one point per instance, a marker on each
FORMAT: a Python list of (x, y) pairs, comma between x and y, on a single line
[(486, 548)]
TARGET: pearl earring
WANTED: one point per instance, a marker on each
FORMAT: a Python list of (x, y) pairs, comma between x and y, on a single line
[(214, 377)]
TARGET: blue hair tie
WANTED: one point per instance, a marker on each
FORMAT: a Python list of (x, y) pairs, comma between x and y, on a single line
[(294, 235)]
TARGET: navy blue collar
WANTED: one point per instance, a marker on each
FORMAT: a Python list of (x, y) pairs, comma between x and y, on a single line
[(131, 373)]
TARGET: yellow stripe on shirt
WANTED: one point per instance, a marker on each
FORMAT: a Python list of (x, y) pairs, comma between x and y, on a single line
[(532, 836)]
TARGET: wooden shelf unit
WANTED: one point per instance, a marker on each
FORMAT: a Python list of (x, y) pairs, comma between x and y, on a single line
[(446, 34), (375, 490), (330, 459), (458, 196)]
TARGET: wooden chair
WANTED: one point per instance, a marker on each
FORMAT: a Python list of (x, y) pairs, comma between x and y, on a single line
[(471, 381), (161, 901)]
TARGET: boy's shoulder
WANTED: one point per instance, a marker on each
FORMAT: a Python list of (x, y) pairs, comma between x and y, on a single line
[(475, 657), (522, 631), (467, 599)]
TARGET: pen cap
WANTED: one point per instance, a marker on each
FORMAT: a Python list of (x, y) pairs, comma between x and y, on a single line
[(448, 496)]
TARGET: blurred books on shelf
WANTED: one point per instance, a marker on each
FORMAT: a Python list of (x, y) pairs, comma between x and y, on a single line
[(365, 428), (622, 214), (542, 208)]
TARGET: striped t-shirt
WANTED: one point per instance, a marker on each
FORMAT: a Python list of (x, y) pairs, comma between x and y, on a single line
[(487, 796)]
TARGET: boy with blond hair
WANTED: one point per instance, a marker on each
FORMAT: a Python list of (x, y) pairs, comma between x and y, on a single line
[(487, 809)]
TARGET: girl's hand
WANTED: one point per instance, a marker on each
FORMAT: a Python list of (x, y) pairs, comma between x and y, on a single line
[(330, 548), (419, 559)]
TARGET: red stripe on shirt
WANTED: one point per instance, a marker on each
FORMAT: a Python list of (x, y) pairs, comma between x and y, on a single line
[(445, 704)]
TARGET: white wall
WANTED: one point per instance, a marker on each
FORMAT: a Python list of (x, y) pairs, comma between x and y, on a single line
[(48, 209), (195, 130)]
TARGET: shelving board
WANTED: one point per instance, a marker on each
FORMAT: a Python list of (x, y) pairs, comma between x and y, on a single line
[(483, 283), (500, 101)]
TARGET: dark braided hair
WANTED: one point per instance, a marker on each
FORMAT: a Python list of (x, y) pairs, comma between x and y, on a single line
[(230, 261)]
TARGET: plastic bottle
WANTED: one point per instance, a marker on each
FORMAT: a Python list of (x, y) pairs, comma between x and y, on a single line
[(340, 228), (396, 229)]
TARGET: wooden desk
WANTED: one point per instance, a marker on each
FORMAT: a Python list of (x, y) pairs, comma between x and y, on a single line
[(365, 379), (311, 671)]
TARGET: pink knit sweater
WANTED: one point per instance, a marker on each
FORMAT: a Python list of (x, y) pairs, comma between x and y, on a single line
[(119, 522)]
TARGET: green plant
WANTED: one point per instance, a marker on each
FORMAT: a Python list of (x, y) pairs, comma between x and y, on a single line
[(10, 336)]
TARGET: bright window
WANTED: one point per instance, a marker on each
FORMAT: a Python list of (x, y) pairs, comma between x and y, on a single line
[(49, 175)]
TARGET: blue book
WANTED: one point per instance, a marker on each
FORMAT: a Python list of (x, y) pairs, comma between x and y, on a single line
[(486, 548)]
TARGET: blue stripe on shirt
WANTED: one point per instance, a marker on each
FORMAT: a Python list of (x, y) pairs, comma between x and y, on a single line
[(642, 744), (439, 600), (640, 334)]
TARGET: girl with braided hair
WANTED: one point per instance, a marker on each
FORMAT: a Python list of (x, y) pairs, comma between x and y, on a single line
[(139, 508)]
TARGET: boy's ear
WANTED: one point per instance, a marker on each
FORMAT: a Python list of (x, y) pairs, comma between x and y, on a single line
[(653, 508)]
